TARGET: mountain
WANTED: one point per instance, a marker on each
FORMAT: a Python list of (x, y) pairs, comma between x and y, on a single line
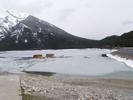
[(20, 31), (125, 40), (8, 21), (24, 32)]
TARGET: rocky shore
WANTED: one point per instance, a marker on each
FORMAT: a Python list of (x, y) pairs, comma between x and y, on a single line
[(124, 53), (40, 87)]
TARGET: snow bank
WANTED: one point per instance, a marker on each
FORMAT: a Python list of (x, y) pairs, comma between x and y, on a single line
[(128, 62)]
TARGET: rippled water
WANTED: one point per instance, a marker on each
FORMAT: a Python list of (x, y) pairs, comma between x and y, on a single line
[(79, 62)]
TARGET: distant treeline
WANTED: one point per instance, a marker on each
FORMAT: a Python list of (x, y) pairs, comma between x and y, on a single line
[(125, 40)]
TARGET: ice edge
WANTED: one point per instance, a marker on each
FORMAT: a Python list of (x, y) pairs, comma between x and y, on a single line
[(128, 62)]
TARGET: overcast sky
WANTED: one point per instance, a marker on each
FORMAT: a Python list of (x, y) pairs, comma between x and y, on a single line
[(94, 19)]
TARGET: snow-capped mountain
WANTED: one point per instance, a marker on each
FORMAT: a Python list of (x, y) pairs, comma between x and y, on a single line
[(10, 20), (22, 31)]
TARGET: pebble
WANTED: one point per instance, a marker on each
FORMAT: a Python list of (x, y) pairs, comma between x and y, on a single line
[(54, 88)]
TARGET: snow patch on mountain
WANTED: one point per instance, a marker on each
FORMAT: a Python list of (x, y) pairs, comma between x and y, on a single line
[(19, 30), (25, 40), (10, 19)]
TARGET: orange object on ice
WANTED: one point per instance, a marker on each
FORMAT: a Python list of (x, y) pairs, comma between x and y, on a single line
[(37, 56)]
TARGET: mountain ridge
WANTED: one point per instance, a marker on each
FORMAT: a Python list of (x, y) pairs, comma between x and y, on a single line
[(124, 40), (29, 33)]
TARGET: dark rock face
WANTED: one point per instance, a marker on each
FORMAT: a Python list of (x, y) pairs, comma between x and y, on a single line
[(33, 33)]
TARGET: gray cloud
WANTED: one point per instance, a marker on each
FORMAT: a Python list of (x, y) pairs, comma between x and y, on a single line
[(29, 6)]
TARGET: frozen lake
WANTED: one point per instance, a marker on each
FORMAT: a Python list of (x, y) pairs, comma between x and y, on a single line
[(79, 62)]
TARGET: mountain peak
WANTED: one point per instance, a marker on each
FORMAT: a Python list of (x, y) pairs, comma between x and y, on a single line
[(11, 18), (19, 31), (17, 15)]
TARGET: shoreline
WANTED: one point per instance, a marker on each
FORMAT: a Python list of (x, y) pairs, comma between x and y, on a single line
[(112, 75), (124, 55)]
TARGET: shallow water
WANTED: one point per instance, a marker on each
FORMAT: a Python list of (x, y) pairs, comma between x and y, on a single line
[(79, 62)]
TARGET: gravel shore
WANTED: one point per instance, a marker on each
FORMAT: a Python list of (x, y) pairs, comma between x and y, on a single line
[(42, 87)]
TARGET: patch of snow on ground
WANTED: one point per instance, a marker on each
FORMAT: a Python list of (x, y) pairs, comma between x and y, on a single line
[(128, 62)]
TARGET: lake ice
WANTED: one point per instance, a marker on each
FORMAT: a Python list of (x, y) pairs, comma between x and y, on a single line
[(81, 62)]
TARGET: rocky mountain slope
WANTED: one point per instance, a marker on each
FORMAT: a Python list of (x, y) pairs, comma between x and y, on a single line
[(23, 32)]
